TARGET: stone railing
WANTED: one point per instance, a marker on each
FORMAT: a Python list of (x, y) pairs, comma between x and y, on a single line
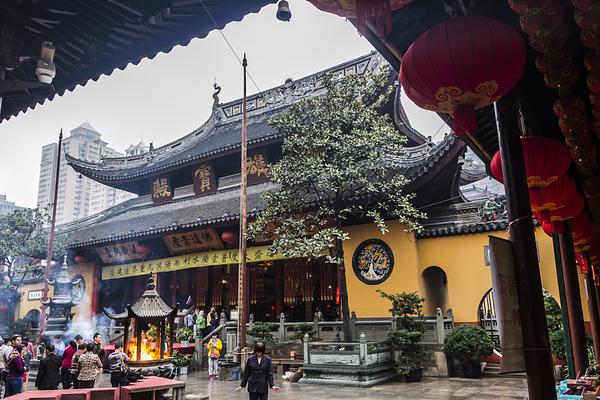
[(363, 363)]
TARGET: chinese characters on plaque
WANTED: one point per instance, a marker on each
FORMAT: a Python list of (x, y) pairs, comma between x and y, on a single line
[(204, 180), (257, 167), (204, 239), (193, 260), (121, 252), (161, 190)]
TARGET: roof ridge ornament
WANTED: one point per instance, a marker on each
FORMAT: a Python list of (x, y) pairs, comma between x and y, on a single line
[(215, 96)]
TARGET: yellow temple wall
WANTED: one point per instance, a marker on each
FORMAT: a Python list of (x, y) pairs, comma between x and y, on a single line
[(461, 257)]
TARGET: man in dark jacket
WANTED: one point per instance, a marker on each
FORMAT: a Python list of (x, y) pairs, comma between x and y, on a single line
[(258, 375), (48, 376)]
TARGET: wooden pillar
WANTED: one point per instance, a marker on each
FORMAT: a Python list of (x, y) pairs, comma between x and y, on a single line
[(573, 295), (594, 316), (96, 282), (563, 306), (173, 289), (540, 376)]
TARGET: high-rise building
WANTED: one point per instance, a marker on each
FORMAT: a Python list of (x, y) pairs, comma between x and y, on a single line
[(6, 207), (78, 196)]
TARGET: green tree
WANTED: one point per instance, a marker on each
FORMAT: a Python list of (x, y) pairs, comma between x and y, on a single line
[(337, 167), (23, 243)]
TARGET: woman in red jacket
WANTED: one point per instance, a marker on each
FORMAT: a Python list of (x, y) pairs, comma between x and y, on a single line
[(67, 364)]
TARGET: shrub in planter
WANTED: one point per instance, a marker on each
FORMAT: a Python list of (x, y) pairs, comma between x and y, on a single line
[(261, 332), (407, 333), (181, 361), (184, 335), (468, 344), (301, 330)]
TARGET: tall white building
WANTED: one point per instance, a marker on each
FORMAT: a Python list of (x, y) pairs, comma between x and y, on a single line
[(78, 196), (7, 207)]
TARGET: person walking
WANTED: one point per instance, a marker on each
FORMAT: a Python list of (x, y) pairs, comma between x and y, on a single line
[(3, 346), (48, 376), (89, 366), (213, 319), (81, 349), (214, 347), (67, 364), (257, 375), (27, 354), (15, 371), (201, 325), (118, 367)]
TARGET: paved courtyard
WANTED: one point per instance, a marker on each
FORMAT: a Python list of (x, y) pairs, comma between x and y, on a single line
[(430, 388)]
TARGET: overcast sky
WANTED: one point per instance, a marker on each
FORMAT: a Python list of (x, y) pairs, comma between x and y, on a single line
[(165, 98)]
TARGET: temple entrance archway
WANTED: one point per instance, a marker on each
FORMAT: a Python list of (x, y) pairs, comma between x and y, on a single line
[(435, 282)]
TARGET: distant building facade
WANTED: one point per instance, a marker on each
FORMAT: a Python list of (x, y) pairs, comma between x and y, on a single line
[(137, 150), (78, 196), (7, 207)]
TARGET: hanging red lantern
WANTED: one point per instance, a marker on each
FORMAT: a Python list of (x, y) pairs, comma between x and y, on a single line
[(141, 249), (551, 228), (583, 5), (588, 19), (557, 77), (496, 167), (546, 160), (590, 39), (591, 61), (553, 196), (593, 82), (547, 40), (379, 11), (79, 259), (582, 263), (534, 19), (569, 211), (462, 65), (559, 59), (572, 126), (229, 237), (569, 107)]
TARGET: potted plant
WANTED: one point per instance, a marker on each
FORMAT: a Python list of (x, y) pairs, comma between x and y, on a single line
[(407, 333), (181, 361), (262, 331), (184, 334), (468, 344)]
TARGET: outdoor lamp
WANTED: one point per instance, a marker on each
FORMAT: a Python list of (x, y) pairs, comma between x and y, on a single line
[(283, 11), (45, 69)]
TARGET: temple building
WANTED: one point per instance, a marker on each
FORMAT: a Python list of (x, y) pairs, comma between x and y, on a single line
[(184, 224)]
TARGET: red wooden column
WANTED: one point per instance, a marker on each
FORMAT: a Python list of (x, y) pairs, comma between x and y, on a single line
[(573, 297), (538, 360), (594, 316)]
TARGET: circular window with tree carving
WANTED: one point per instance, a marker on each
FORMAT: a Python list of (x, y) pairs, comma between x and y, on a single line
[(373, 261)]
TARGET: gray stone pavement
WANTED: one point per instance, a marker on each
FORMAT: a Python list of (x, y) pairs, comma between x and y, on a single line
[(430, 388)]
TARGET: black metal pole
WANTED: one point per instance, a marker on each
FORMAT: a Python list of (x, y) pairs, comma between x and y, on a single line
[(538, 360)]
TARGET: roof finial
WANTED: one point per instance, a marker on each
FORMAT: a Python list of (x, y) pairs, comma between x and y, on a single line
[(216, 95)]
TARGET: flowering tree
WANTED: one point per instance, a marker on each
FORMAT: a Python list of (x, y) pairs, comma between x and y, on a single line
[(336, 167)]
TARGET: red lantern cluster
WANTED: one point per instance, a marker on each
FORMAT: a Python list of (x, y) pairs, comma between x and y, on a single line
[(461, 65), (141, 249), (379, 12), (229, 237)]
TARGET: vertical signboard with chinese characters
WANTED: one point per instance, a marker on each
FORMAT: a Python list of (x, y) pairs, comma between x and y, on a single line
[(257, 166), (506, 299), (204, 180), (161, 190)]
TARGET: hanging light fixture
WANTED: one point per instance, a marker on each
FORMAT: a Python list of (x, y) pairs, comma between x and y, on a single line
[(283, 11)]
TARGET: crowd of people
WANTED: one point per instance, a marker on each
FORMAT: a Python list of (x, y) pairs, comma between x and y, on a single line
[(76, 364)]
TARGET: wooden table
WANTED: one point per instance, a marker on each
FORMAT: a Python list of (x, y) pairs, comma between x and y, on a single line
[(151, 388), (71, 394)]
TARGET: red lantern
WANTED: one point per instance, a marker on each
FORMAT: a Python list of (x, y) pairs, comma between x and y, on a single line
[(561, 60), (521, 6), (591, 61), (462, 65), (229, 237), (80, 259), (587, 20), (546, 160), (380, 11), (553, 196), (555, 78), (535, 19), (572, 125), (569, 107), (551, 228), (569, 211), (593, 82), (141, 249), (582, 263), (547, 40), (590, 39), (583, 5)]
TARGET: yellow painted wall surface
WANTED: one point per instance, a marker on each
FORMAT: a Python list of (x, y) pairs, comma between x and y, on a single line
[(461, 257), (84, 309), (363, 298)]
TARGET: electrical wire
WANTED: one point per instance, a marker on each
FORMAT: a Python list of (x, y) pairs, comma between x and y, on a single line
[(228, 43)]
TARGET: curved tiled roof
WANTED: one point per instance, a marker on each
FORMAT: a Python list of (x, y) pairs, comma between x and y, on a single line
[(222, 132), (148, 306), (95, 37)]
